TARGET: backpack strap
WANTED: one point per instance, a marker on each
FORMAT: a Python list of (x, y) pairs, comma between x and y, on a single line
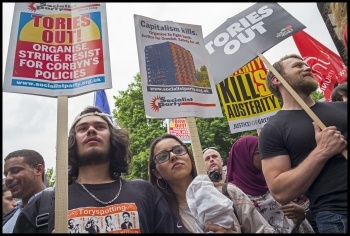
[(7, 216), (42, 219), (225, 192)]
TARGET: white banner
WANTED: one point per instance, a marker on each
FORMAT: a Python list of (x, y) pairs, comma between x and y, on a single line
[(58, 49), (175, 77)]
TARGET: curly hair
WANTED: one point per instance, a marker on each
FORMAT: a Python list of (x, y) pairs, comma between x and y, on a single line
[(120, 154), (169, 194)]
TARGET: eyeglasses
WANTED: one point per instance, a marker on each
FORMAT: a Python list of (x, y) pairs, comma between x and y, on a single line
[(205, 149), (163, 156)]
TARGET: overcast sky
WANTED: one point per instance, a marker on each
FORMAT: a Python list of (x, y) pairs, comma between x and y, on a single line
[(30, 121)]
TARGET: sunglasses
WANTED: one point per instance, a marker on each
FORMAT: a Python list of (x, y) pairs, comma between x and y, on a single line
[(214, 148)]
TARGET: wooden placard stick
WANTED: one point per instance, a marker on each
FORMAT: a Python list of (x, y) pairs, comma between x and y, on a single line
[(196, 145), (61, 189)]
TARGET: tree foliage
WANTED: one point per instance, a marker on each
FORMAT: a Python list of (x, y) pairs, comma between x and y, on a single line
[(48, 173), (317, 95), (215, 132)]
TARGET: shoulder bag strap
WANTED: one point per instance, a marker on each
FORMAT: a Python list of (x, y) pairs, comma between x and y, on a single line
[(42, 220), (225, 192)]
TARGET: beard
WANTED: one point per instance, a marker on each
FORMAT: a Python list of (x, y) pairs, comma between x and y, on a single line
[(92, 157), (303, 84)]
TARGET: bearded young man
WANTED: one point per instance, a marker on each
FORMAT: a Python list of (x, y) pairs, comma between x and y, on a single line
[(98, 153), (300, 158)]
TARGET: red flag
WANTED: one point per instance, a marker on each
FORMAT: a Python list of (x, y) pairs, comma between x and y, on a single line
[(328, 68)]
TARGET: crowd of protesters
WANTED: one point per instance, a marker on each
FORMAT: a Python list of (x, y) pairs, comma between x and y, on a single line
[(292, 178)]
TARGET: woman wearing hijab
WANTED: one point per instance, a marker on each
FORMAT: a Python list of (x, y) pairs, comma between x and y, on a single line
[(244, 171)]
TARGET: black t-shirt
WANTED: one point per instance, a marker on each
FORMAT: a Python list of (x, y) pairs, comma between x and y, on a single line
[(148, 209), (290, 132)]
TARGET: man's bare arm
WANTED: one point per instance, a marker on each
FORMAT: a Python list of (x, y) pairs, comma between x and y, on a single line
[(285, 183)]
